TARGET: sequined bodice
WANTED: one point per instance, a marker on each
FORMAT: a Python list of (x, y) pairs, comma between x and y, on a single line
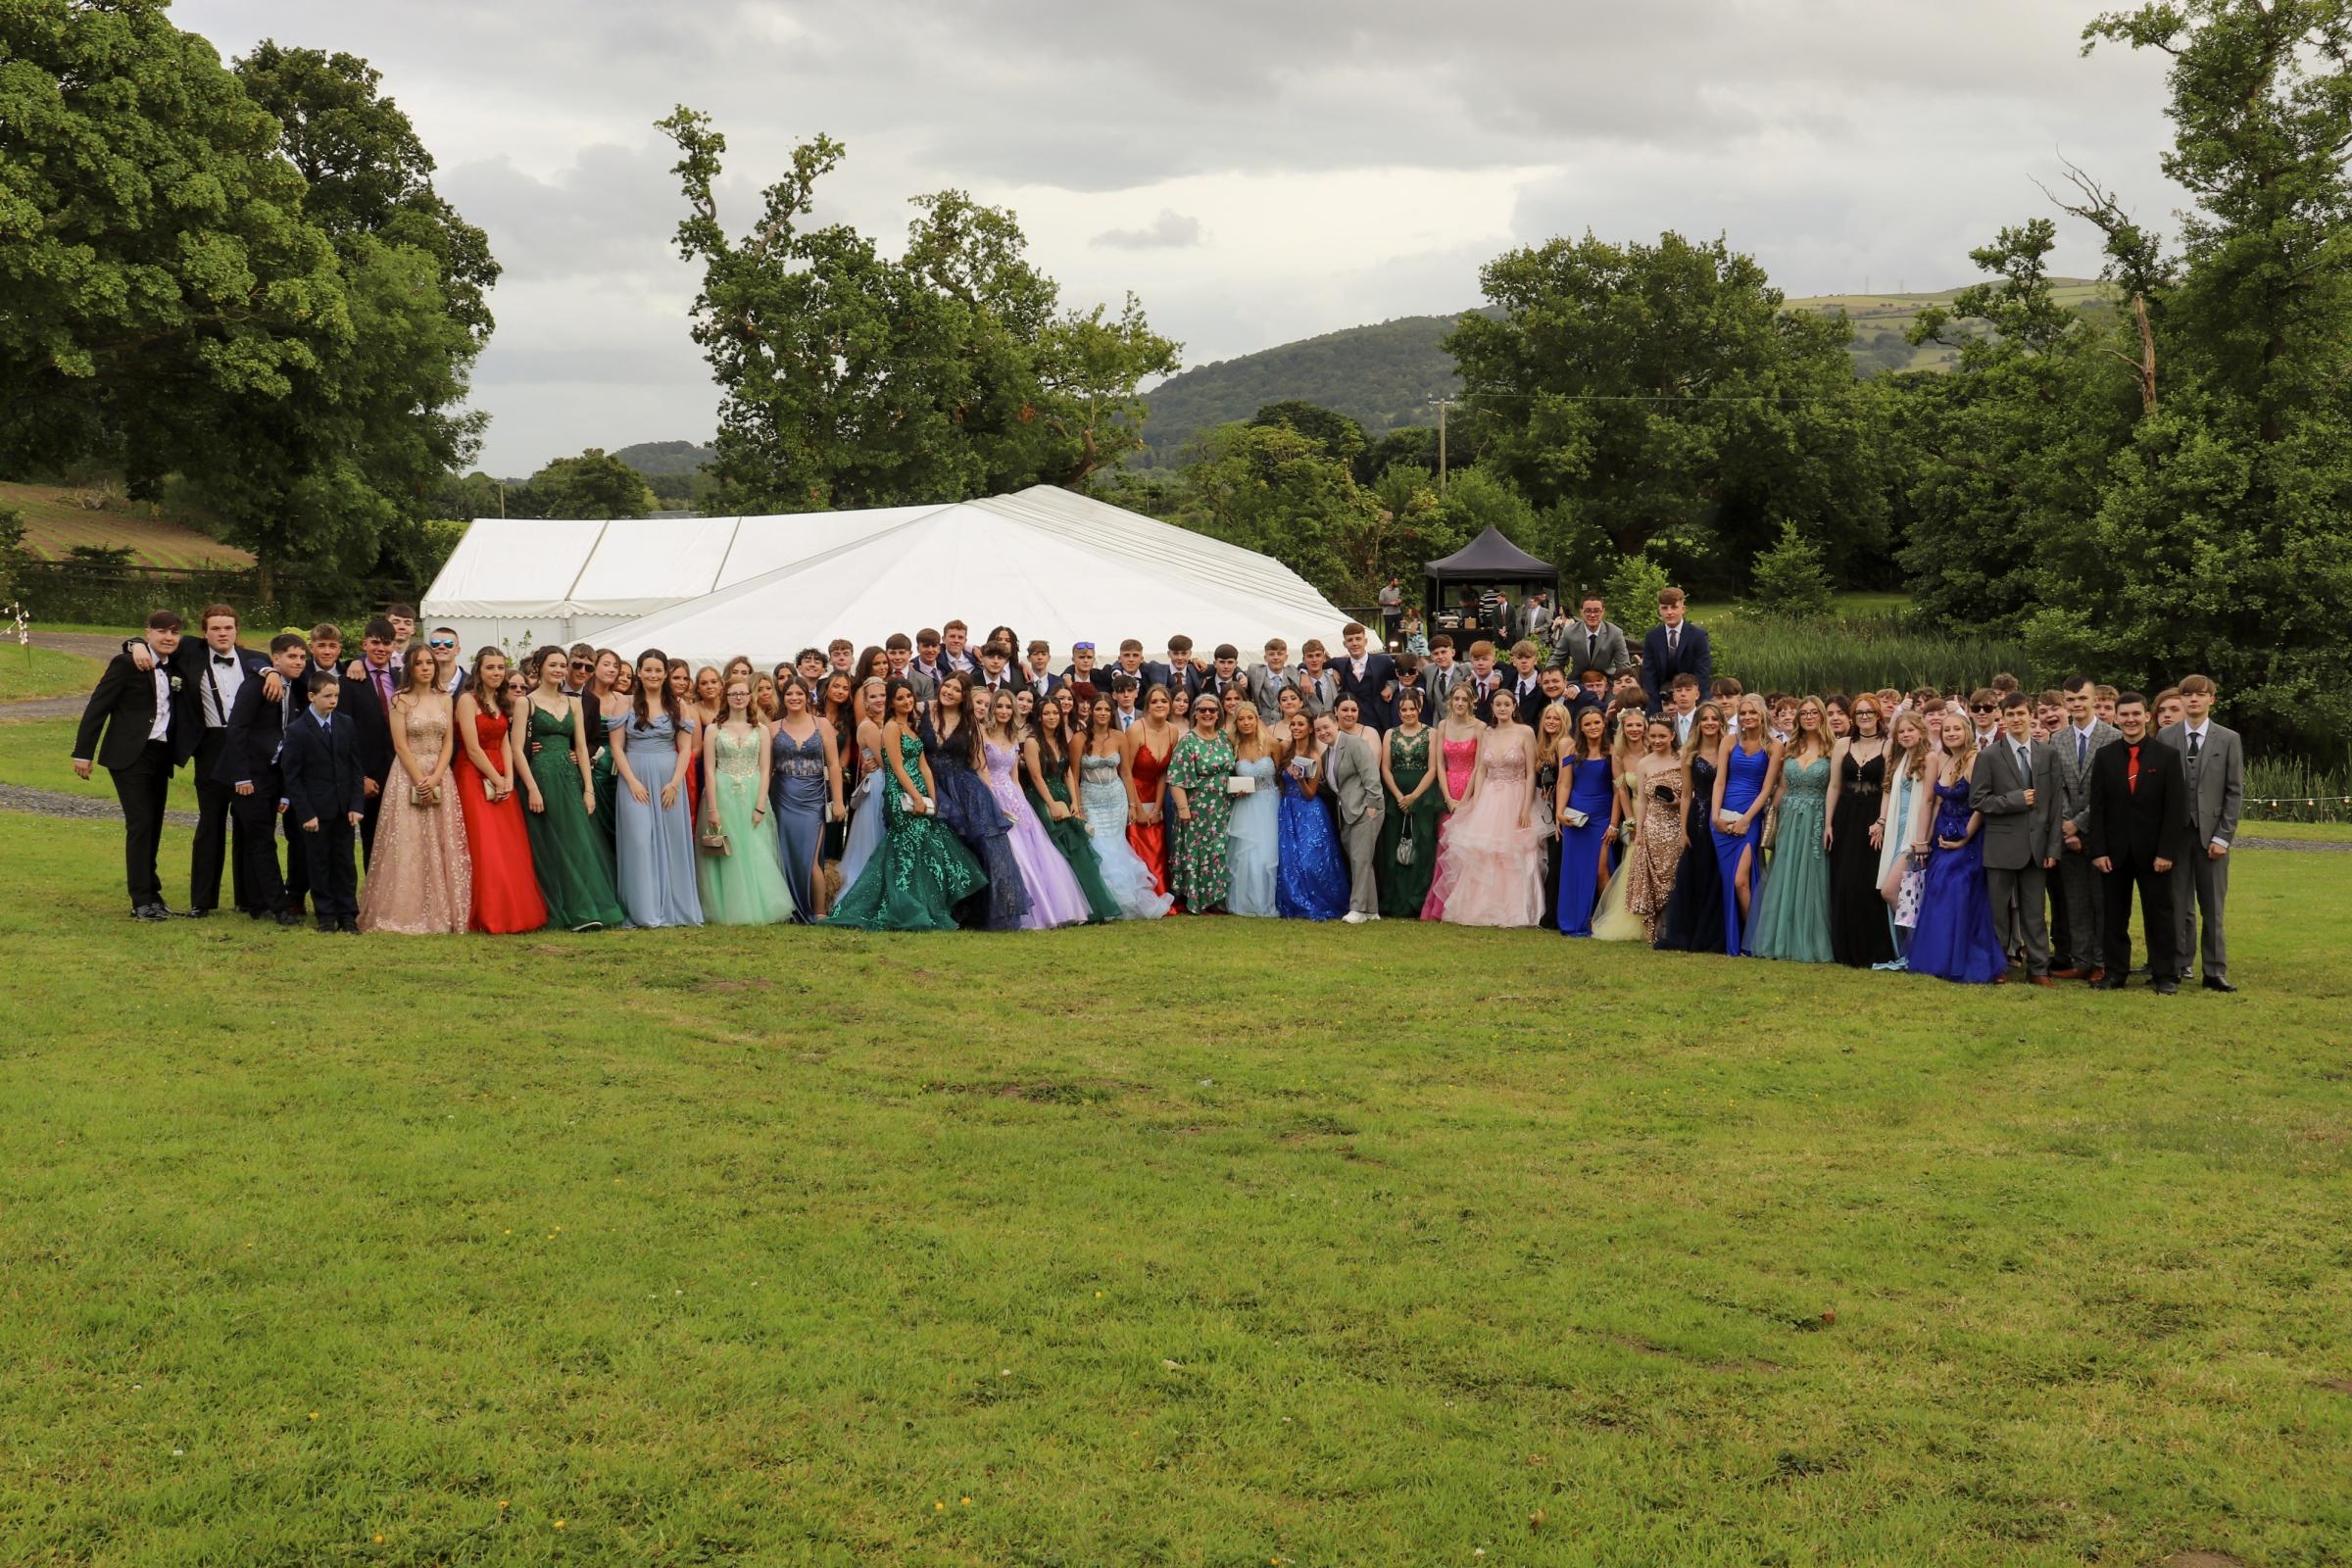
[(1099, 770), (1507, 767), (999, 768), (428, 733), (910, 758), (737, 757), (1951, 809), (1808, 779), (1460, 757), (800, 758)]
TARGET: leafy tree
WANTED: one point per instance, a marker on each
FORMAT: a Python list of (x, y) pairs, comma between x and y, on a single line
[(175, 307), (1268, 488), (1413, 444), (1655, 388), (1790, 579), (1632, 587), (852, 379), (1341, 438), (591, 485)]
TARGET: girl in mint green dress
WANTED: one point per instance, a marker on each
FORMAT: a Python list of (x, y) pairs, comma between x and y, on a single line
[(746, 885)]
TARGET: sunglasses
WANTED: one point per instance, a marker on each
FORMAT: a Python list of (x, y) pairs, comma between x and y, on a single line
[(444, 644), (1980, 707)]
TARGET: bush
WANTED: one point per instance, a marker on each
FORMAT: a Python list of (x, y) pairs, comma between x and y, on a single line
[(1632, 588), (1790, 579)]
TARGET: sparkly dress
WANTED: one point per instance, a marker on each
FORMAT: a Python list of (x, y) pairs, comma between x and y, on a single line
[(1649, 869), (653, 843), (1104, 795), (1254, 842), (972, 815), (798, 794), (1055, 897), (920, 872), (745, 886), (1314, 884), (1792, 916), (1404, 882), (571, 853), (1694, 921), (419, 879), (506, 890), (1493, 873), (1955, 936), (1198, 872)]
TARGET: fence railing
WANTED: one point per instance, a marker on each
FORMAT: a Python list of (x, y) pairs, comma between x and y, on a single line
[(87, 592)]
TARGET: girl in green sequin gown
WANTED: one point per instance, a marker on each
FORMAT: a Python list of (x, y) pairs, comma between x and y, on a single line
[(745, 886), (571, 856), (915, 879), (1403, 889)]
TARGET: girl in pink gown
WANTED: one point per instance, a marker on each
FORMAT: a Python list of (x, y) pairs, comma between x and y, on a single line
[(420, 879), (1490, 871), (1457, 755)]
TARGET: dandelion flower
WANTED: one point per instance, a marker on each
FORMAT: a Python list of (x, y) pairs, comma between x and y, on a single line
[(313, 1415), (937, 1506), (558, 1524), (968, 1502)]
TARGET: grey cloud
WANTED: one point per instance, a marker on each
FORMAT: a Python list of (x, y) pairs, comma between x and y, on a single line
[(1170, 231)]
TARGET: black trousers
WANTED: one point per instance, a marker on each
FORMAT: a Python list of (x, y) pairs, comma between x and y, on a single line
[(2158, 926), (368, 814), (213, 814), (334, 882), (143, 786), (298, 849), (256, 874)]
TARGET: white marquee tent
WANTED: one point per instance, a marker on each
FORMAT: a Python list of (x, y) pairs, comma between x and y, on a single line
[(1047, 562)]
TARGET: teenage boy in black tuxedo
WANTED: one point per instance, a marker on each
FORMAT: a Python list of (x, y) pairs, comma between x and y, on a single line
[(248, 769), (2138, 829), (146, 738), (367, 706), (324, 778)]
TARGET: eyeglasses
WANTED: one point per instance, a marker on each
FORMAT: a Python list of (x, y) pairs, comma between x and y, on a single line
[(445, 644)]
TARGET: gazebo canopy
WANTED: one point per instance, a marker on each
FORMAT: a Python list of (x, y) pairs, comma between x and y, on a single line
[(1491, 559)]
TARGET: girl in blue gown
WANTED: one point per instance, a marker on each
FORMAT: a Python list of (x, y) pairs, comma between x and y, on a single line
[(1253, 833), (1586, 772), (1311, 880), (1955, 936), (803, 782), (951, 737), (921, 870), (653, 747), (1744, 780)]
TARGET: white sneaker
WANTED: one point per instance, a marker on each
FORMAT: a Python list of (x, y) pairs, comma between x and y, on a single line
[(1355, 918)]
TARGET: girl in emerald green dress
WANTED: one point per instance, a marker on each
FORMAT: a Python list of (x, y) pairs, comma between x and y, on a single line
[(571, 856), (745, 886), (921, 870), (1414, 808)]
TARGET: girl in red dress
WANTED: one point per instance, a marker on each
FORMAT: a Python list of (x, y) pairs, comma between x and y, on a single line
[(505, 888)]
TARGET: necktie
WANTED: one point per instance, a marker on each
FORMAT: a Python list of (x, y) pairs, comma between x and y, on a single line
[(1674, 639), (2132, 773), (383, 687), (2025, 764), (1592, 643), (2082, 749), (2196, 741)]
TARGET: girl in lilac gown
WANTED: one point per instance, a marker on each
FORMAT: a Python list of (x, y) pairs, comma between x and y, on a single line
[(1055, 897), (1955, 936)]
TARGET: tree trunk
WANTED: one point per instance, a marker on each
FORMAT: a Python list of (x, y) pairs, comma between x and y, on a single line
[(2148, 354)]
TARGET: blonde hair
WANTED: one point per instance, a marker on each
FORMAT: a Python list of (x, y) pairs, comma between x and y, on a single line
[(1797, 735), (1698, 716), (1962, 757), (1912, 758)]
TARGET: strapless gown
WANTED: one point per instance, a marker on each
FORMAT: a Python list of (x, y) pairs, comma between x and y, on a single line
[(1254, 842), (1104, 795)]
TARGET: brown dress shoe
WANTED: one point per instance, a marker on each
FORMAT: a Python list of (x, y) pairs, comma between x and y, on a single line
[(2001, 979), (2044, 980), (2096, 975), (2070, 974)]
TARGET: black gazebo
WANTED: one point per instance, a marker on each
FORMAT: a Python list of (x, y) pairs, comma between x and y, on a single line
[(1488, 561)]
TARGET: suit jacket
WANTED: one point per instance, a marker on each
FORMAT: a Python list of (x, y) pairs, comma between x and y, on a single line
[(1264, 686), (1322, 693), (2074, 779), (1157, 673), (2217, 781), (1609, 651), (1053, 682), (1440, 684), (192, 663), (2137, 827), (2017, 835), (1419, 683), (1483, 703), (370, 724), (1352, 773), (1229, 690), (323, 771), (123, 705), (1691, 655), (1372, 709), (1531, 701), (256, 726)]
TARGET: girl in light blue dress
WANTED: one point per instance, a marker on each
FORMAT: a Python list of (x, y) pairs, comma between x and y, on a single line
[(1253, 834), (653, 828)]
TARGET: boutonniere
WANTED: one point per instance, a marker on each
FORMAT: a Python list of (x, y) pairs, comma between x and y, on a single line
[(175, 683)]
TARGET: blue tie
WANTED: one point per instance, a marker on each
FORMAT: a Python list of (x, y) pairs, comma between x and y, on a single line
[(2082, 749)]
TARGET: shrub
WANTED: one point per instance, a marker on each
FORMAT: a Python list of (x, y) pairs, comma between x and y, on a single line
[(1790, 579)]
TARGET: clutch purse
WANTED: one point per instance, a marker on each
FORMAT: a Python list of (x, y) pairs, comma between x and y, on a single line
[(1240, 784), (1404, 845), (425, 794), (1729, 821), (714, 841), (1772, 826), (1577, 818)]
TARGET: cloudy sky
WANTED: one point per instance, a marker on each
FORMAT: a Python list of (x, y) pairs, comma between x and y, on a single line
[(1257, 170)]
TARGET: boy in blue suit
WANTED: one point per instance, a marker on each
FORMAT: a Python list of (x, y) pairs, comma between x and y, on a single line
[(324, 780)]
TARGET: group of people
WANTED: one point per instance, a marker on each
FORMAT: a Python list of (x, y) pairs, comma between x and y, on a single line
[(931, 782)]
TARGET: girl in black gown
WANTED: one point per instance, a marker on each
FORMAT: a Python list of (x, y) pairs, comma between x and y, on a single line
[(952, 745), (1860, 933), (1694, 918)]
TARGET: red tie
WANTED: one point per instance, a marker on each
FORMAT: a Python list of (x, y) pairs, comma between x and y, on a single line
[(2132, 773)]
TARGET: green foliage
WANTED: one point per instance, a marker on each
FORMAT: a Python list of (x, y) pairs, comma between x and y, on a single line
[(1632, 587), (100, 554), (662, 460), (590, 485), (1862, 652), (1269, 489), (1790, 579), (1383, 376), (175, 304), (13, 553), (1341, 438), (850, 380), (1480, 498)]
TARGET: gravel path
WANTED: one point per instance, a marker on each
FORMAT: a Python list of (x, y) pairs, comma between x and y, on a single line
[(44, 707), (81, 808)]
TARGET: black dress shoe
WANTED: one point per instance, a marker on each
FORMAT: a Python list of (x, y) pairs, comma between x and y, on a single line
[(2110, 983), (150, 911), (288, 918), (196, 914), (327, 923), (2167, 988), (2223, 986), (348, 926)]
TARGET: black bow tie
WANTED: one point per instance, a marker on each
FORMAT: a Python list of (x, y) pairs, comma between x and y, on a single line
[(223, 659)]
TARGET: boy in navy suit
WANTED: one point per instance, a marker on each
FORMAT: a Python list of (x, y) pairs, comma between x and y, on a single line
[(248, 768), (323, 781)]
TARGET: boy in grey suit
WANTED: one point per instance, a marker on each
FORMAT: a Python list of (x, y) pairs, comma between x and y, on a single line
[(2216, 788), (1354, 774), (2015, 786)]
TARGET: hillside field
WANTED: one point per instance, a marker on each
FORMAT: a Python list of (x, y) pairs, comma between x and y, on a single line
[(55, 523)]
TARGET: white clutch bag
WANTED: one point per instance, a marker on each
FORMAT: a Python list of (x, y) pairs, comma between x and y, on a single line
[(1240, 784), (1728, 820), (1577, 818)]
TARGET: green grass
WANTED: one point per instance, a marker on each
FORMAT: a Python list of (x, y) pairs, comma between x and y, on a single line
[(27, 673), (776, 1246), (38, 753)]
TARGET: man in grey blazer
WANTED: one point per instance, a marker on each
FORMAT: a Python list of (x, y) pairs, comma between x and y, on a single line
[(1266, 680), (1591, 640), (2217, 789), (2077, 743), (2015, 786), (1354, 775)]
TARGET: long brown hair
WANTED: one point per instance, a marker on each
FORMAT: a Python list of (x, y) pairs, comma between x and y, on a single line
[(642, 715)]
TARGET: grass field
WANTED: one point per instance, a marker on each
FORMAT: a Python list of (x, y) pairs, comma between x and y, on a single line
[(1206, 1243), (55, 523), (27, 673)]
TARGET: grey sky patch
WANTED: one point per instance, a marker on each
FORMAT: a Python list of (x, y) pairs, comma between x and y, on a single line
[(1171, 231)]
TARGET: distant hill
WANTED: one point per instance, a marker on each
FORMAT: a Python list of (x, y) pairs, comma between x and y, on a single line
[(1385, 376), (666, 459)]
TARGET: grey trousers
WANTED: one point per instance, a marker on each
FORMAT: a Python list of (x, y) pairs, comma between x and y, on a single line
[(1363, 847), (2022, 888), (2086, 930), (2200, 887)]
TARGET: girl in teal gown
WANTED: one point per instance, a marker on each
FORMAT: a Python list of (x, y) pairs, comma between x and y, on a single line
[(745, 886), (1792, 913), (571, 856), (921, 870)]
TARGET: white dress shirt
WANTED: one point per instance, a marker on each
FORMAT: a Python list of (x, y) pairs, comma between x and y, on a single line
[(223, 675), (160, 727)]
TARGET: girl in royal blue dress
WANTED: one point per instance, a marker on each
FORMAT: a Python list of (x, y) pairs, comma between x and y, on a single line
[(1312, 875), (1745, 776), (1586, 792), (1955, 936)]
